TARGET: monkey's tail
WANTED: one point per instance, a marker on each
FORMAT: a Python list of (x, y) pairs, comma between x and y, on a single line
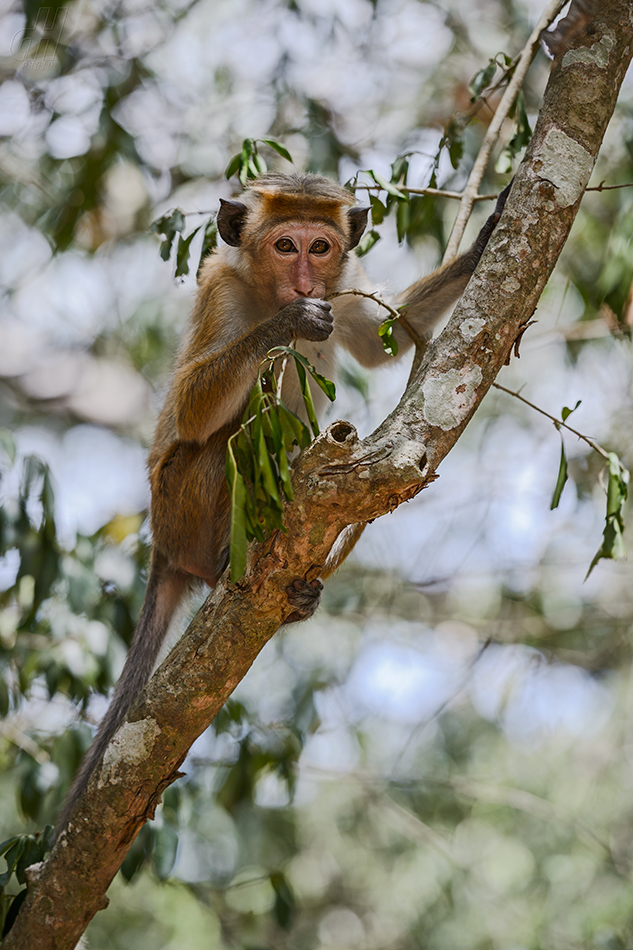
[(164, 592), (342, 547)]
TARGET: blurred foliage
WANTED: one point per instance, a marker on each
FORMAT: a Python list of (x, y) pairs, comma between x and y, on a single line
[(425, 765)]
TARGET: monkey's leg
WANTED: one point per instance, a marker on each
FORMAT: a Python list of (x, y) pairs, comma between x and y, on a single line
[(305, 597)]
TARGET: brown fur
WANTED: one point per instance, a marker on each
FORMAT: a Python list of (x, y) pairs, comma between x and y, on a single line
[(251, 298)]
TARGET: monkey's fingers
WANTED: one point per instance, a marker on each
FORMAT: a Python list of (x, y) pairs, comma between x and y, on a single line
[(304, 596)]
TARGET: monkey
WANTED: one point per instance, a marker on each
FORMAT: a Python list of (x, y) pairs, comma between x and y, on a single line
[(287, 243)]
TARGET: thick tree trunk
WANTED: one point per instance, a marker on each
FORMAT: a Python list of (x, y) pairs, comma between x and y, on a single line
[(340, 480)]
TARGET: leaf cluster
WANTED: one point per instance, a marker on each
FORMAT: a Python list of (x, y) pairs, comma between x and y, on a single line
[(173, 223), (257, 460), (416, 216), (248, 164), (520, 138), (20, 852), (612, 546)]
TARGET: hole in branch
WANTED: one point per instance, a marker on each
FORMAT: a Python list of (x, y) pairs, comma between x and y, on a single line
[(342, 431)]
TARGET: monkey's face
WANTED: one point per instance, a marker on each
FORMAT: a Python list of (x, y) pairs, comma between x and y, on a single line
[(300, 260)]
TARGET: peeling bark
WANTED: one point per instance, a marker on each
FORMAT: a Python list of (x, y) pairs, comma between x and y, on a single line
[(340, 479)]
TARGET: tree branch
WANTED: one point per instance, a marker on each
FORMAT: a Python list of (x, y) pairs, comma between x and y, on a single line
[(557, 422), (340, 479), (492, 132)]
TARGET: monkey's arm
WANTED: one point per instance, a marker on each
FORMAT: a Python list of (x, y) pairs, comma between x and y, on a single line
[(425, 302), (211, 391)]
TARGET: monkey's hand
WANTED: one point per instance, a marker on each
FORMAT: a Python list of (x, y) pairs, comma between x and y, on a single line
[(304, 597), (484, 235), (309, 318)]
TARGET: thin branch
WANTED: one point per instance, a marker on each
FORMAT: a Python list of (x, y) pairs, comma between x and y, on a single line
[(437, 192), (557, 422), (443, 706), (603, 187), (361, 293), (394, 314), (282, 371), (492, 133)]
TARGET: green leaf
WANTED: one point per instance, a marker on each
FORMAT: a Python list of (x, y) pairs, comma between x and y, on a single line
[(385, 332), (7, 443), (285, 904), (284, 474), (282, 150), (30, 855), (165, 851), (307, 398), (482, 79), (400, 170), (523, 132), (238, 522), (260, 165), (265, 467), (12, 855), (170, 225), (378, 210), (6, 846), (455, 142), (402, 220), (612, 546), (566, 413), (295, 430), (14, 909), (233, 165), (387, 186), (562, 478), (182, 254), (326, 385), (617, 489), (367, 242), (521, 137)]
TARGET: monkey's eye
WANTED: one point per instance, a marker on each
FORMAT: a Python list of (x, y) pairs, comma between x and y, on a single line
[(320, 247), (285, 245)]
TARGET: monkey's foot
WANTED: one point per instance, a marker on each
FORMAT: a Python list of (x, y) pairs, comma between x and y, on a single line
[(304, 597)]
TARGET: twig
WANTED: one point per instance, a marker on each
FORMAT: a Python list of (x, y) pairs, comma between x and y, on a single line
[(362, 293), (282, 371), (557, 422), (435, 715), (603, 187), (394, 314), (492, 133), (438, 192)]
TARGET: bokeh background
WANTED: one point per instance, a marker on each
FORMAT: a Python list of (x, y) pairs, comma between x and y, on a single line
[(443, 757)]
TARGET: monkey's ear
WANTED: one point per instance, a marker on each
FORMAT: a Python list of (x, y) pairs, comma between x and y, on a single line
[(230, 221), (357, 218)]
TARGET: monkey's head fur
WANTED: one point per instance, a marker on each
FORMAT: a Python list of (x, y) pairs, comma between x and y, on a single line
[(276, 198), (292, 234)]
